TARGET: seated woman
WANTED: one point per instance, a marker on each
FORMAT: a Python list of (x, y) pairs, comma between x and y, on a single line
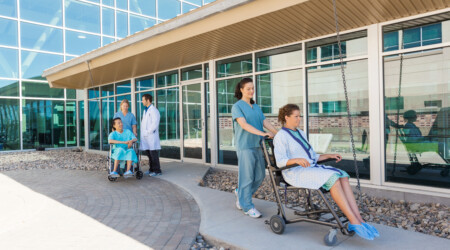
[(122, 150), (291, 147)]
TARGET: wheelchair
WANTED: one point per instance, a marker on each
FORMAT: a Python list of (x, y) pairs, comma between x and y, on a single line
[(311, 213), (135, 167)]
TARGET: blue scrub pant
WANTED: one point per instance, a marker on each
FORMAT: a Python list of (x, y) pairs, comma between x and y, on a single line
[(251, 175)]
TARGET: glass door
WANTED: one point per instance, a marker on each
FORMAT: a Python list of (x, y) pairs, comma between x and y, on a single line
[(193, 121)]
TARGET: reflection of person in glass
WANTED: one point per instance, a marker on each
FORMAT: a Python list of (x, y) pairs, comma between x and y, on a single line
[(388, 123), (248, 123), (291, 147), (412, 132)]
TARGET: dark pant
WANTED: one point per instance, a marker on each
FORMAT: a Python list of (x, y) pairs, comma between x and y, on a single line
[(153, 160)]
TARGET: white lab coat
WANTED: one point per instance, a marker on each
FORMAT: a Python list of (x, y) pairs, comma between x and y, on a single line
[(150, 129)]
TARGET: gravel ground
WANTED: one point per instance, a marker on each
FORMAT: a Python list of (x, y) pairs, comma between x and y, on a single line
[(430, 218)]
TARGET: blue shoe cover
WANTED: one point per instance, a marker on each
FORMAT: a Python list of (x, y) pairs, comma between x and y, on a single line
[(361, 231), (371, 229), (114, 174)]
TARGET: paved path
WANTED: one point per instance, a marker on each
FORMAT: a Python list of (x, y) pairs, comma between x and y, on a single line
[(55, 209)]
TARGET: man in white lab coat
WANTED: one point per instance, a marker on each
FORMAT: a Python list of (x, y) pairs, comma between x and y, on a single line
[(150, 135)]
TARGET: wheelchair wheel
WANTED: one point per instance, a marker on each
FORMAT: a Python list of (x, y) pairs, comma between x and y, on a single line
[(277, 224), (139, 175), (444, 172), (112, 178), (330, 238)]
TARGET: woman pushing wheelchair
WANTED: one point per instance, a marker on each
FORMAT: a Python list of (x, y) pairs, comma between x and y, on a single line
[(123, 140), (291, 147)]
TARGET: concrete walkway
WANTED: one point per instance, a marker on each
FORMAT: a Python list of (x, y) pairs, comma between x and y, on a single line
[(222, 222)]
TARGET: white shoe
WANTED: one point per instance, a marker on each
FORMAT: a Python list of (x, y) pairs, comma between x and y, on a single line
[(238, 205), (253, 213)]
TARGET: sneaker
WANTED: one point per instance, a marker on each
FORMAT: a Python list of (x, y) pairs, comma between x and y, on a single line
[(114, 174), (253, 213), (238, 205), (371, 229), (128, 174), (154, 174), (361, 231), (147, 172)]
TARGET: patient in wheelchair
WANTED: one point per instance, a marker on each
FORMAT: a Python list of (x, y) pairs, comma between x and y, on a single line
[(123, 140), (291, 147)]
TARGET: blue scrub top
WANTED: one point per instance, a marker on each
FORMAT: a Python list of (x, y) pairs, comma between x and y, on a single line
[(255, 117), (126, 135), (128, 121)]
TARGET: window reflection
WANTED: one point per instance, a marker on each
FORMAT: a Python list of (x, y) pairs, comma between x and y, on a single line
[(81, 119), (122, 24), (71, 118), (94, 124), (78, 43), (122, 4), (168, 103), (43, 121), (147, 7), (108, 21), (40, 37), (8, 8), (167, 79), (107, 116), (191, 73), (8, 29), (234, 66), (416, 119), (9, 124), (328, 123), (38, 89), (34, 63), (42, 11), (145, 83), (123, 87), (168, 9), (188, 7), (279, 58), (107, 40), (82, 16), (192, 121), (138, 23), (9, 87), (9, 63)]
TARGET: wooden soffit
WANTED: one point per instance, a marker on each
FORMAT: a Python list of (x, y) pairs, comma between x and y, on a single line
[(212, 33)]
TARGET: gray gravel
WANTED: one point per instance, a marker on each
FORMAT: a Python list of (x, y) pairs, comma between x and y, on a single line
[(430, 218)]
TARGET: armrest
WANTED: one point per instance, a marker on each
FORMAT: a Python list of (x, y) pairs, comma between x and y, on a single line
[(327, 160), (286, 167)]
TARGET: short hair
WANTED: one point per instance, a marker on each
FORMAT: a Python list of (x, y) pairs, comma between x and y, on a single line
[(148, 97), (113, 122), (124, 101), (286, 110)]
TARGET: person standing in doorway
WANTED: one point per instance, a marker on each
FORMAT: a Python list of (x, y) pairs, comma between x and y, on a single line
[(248, 123), (150, 135)]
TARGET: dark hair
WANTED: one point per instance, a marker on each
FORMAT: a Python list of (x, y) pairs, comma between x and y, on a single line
[(239, 86), (114, 122), (286, 110), (148, 97)]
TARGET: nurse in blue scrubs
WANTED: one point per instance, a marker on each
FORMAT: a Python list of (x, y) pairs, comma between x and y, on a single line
[(248, 123), (127, 118)]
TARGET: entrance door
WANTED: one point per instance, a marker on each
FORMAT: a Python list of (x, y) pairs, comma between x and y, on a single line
[(193, 121)]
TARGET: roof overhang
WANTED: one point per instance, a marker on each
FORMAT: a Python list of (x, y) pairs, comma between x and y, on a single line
[(225, 28)]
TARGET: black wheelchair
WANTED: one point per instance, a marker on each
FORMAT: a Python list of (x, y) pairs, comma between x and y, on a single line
[(312, 213)]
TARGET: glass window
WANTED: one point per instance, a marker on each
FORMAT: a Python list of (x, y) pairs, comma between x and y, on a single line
[(34, 63), (107, 90), (9, 87), (40, 89), (9, 63), (71, 118), (94, 93), (208, 1), (122, 4), (225, 101), (108, 2), (432, 34), (81, 118), (394, 103), (71, 94), (119, 100), (169, 130), (78, 43), (145, 83), (140, 108), (9, 124), (167, 79), (331, 52), (138, 23), (208, 123), (107, 116), (313, 107), (328, 128), (198, 2), (123, 87), (8, 8), (40, 37), (147, 7), (191, 73), (8, 29), (42, 11), (279, 58), (288, 86), (411, 38), (68, 58), (192, 121), (108, 21), (234, 66), (168, 9), (390, 41), (311, 55), (206, 67), (43, 124), (107, 40), (417, 136), (188, 7), (94, 124), (82, 16), (122, 24)]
